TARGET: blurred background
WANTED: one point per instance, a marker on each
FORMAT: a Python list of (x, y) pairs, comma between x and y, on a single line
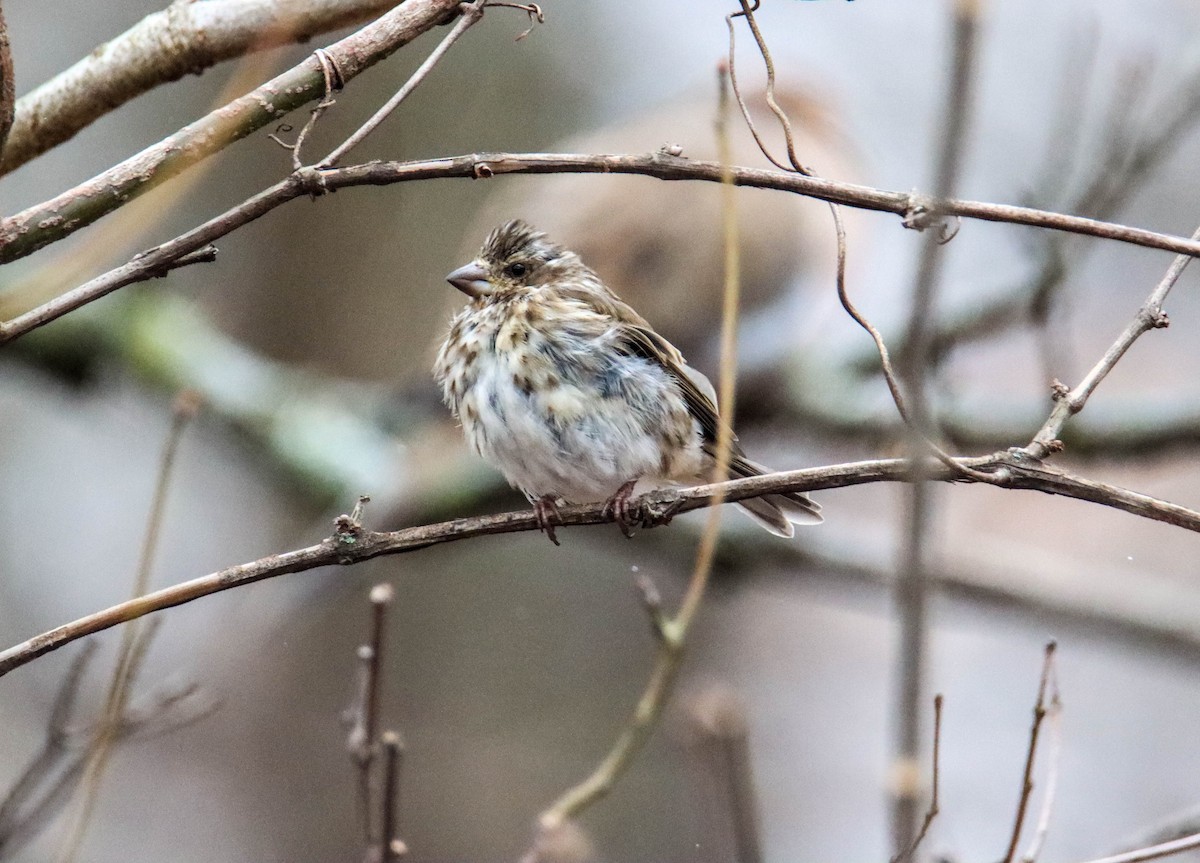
[(512, 664)]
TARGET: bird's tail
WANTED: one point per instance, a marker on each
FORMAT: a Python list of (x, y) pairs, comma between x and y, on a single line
[(775, 512)]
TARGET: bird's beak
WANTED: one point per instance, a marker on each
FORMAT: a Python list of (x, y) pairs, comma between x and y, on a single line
[(471, 279)]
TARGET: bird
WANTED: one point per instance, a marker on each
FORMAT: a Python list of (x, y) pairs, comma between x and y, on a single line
[(573, 395)]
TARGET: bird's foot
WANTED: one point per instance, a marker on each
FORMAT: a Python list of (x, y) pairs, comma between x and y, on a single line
[(546, 510), (619, 510)]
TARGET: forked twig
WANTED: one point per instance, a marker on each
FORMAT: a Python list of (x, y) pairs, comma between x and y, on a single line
[(1068, 402), (469, 15)]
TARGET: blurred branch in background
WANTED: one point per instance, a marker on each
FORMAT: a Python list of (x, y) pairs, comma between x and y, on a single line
[(378, 756), (912, 584), (135, 638), (718, 743), (49, 781)]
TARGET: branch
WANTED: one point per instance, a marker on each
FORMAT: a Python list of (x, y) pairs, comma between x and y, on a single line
[(8, 90), (61, 216), (185, 38), (352, 544), (1040, 709), (484, 165), (1175, 846), (1070, 402)]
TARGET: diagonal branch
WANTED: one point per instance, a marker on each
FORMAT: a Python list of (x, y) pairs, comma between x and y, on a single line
[(1070, 402), (76, 208), (352, 544), (184, 39)]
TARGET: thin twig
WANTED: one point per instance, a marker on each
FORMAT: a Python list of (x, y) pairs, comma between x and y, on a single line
[(135, 639), (933, 810), (672, 632), (1070, 402), (1154, 852), (798, 167), (720, 739), (352, 547), (1039, 714), (468, 15), (1054, 726), (479, 165), (14, 811)]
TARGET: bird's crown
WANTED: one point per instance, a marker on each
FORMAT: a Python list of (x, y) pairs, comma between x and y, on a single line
[(516, 238)]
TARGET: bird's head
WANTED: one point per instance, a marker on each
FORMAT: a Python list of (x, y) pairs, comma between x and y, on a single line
[(513, 256)]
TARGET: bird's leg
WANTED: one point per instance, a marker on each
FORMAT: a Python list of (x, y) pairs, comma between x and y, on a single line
[(547, 515), (617, 508)]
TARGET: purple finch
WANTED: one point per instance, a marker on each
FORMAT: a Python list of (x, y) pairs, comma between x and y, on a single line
[(573, 395)]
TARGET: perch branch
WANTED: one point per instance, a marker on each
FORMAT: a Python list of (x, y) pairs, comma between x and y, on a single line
[(350, 545)]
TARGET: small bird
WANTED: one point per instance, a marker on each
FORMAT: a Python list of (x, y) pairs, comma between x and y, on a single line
[(573, 395)]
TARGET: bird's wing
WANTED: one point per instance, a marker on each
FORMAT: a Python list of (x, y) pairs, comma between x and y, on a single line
[(698, 393)]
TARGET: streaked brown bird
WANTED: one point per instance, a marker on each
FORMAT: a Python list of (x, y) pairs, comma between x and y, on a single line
[(573, 395)]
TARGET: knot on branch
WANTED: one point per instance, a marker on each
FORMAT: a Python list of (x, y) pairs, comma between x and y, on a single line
[(1059, 390), (349, 535), (922, 213), (482, 171), (312, 181)]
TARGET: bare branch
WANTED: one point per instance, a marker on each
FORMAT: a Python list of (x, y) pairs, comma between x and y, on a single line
[(184, 39), (482, 165), (1012, 470), (469, 15), (1040, 708), (1070, 402), (76, 208), (8, 89), (390, 846), (1154, 852)]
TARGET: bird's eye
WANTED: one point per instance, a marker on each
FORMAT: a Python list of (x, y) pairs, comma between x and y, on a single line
[(516, 270)]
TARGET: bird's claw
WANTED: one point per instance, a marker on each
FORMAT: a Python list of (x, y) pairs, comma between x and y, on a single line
[(546, 511), (619, 509)]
